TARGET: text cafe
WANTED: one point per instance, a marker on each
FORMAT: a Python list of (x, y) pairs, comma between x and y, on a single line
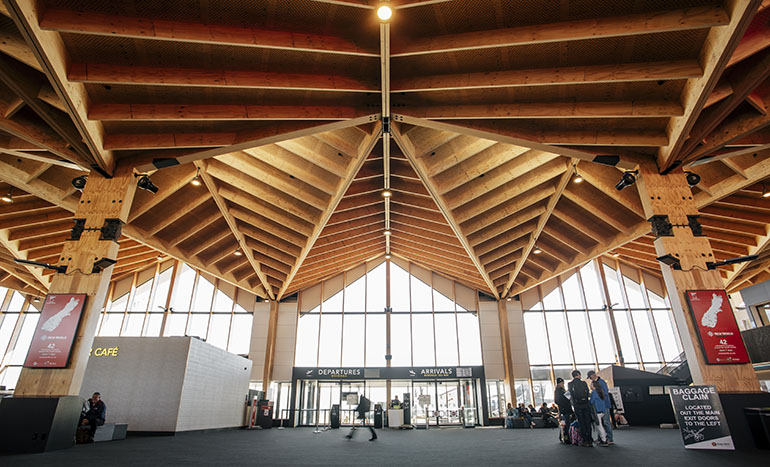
[(433, 395)]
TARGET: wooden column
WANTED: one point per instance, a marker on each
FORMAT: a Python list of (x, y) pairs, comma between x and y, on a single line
[(505, 338), (670, 195), (101, 199), (272, 329)]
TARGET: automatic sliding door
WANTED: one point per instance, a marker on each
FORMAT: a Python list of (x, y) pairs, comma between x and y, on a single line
[(425, 408)]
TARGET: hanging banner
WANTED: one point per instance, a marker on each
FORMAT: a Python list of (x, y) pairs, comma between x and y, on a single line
[(55, 333), (700, 417), (719, 335)]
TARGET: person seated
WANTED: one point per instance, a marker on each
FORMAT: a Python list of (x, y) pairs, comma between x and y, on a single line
[(510, 414), (526, 415), (93, 415), (395, 403), (548, 420)]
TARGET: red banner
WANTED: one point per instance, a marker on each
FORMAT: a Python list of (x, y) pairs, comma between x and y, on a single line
[(719, 334), (52, 342)]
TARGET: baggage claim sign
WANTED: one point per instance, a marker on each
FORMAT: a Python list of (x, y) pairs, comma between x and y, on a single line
[(700, 417)]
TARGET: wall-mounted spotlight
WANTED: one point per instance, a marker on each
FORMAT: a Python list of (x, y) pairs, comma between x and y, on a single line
[(102, 264), (8, 197), (692, 178), (384, 12), (196, 181), (627, 179), (670, 260), (576, 178), (146, 184), (80, 182), (537, 250)]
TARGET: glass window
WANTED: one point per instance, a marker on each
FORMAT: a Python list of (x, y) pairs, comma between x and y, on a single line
[(400, 340), (422, 340), (132, 324), (552, 301), (307, 340), (375, 288), (152, 324), (28, 326), (120, 303), (667, 333), (240, 333), (198, 324), (625, 336), (112, 324), (446, 339), (330, 345), (582, 345), (604, 341), (593, 288), (222, 302), (399, 288), (441, 302), (219, 328), (644, 335), (558, 337), (572, 296), (161, 291), (7, 325), (613, 285), (355, 295), (469, 338), (176, 323), (634, 292), (537, 341), (375, 340), (332, 304), (421, 295), (183, 289), (17, 301), (353, 338), (141, 297), (203, 295)]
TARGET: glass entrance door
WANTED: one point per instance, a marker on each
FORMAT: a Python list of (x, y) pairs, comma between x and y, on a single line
[(448, 402), (329, 394), (348, 409), (425, 407)]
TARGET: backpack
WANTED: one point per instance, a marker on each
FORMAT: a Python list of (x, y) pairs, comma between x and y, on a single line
[(574, 433), (579, 392)]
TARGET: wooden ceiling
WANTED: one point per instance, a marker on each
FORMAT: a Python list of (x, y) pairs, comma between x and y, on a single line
[(491, 109)]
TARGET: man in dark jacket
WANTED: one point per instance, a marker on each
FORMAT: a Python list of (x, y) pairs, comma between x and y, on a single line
[(93, 415), (364, 405), (580, 397), (565, 409)]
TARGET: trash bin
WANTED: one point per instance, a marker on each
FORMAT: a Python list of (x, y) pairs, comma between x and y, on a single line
[(758, 419), (377, 416), (335, 416)]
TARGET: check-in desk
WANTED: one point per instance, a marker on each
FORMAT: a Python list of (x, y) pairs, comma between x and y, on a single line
[(395, 418)]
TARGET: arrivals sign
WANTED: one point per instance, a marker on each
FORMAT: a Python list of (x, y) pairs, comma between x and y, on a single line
[(719, 334), (700, 417), (55, 333), (358, 373)]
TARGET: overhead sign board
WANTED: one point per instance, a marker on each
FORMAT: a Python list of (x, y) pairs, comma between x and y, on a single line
[(56, 329), (719, 335)]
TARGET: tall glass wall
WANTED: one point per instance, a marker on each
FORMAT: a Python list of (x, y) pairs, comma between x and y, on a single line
[(175, 300), (343, 320), (18, 321), (605, 313)]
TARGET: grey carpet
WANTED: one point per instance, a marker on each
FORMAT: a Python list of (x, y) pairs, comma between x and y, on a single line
[(470, 447)]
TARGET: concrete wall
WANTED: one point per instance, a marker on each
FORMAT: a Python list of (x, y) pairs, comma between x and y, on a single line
[(285, 341), (258, 343), (168, 384), (518, 337), (491, 342)]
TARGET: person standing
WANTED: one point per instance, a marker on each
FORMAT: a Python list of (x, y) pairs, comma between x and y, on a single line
[(364, 405), (565, 410), (599, 401), (609, 415), (580, 397), (93, 415)]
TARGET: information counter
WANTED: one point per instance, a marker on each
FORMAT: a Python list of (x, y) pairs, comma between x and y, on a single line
[(395, 418)]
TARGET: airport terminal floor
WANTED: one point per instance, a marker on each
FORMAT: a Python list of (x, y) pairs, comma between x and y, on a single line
[(449, 446)]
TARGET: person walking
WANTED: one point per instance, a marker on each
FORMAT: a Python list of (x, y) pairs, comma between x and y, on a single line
[(609, 414), (565, 410), (364, 405), (599, 401), (581, 404)]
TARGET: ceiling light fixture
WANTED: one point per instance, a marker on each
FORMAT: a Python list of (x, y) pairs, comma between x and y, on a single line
[(145, 183), (615, 254), (238, 252), (387, 256), (765, 193), (387, 194), (537, 249), (627, 179), (576, 178), (386, 233), (692, 178), (8, 197), (80, 182), (196, 181), (384, 12)]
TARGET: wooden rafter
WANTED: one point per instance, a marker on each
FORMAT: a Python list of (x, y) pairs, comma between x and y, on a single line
[(211, 185), (407, 147)]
